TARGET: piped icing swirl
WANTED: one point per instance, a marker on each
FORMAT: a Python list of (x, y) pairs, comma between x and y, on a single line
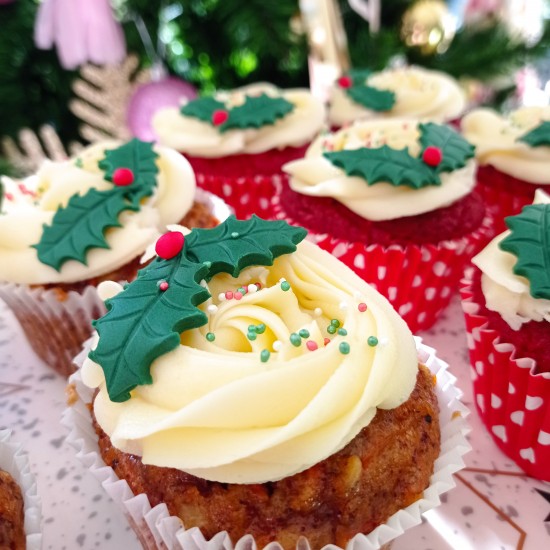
[(31, 204), (201, 138), (496, 139), (506, 292), (223, 409), (315, 175), (420, 93)]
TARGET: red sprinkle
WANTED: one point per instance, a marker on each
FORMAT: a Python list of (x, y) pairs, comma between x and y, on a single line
[(345, 82), (432, 155), (123, 177), (8, 196), (229, 295), (311, 345), (327, 341), (164, 286), (169, 245), (238, 295), (219, 117), (25, 190), (362, 307)]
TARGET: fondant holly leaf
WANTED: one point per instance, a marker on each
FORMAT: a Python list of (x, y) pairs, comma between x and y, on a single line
[(371, 98), (143, 322), (257, 111), (395, 166), (454, 148), (202, 108), (80, 226), (359, 76), (139, 157), (529, 241), (538, 136)]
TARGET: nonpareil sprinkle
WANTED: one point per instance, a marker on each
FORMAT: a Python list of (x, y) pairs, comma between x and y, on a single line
[(264, 356), (210, 336), (285, 285), (372, 341), (304, 333), (344, 348), (295, 339)]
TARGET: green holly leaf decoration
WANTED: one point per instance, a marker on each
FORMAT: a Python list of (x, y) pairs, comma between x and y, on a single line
[(359, 76), (538, 136), (529, 241), (385, 164), (144, 322), (81, 225), (454, 148), (371, 98), (202, 108)]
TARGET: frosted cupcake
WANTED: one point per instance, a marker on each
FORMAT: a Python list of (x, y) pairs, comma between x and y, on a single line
[(394, 200), (506, 301), (513, 154), (79, 222), (265, 372), (238, 140), (405, 92)]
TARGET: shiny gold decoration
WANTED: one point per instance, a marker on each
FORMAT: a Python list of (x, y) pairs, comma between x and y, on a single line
[(429, 26)]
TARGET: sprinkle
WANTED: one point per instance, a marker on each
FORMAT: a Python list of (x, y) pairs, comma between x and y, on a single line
[(260, 329), (242, 290), (235, 234), (258, 285), (251, 335), (295, 339), (285, 285), (238, 295), (304, 333), (343, 305), (212, 308), (207, 264), (372, 341), (383, 341), (335, 323), (342, 332), (317, 312), (311, 345), (327, 341), (344, 348), (277, 345), (264, 356), (331, 329), (203, 283), (362, 307), (221, 296), (251, 328), (163, 285), (229, 295), (252, 288), (210, 336)]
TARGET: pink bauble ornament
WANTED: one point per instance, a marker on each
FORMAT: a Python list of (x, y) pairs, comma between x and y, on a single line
[(149, 98)]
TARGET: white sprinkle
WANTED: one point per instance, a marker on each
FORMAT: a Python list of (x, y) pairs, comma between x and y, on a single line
[(277, 345), (203, 284), (252, 288), (212, 308), (383, 341), (221, 297), (343, 305), (317, 312), (357, 295)]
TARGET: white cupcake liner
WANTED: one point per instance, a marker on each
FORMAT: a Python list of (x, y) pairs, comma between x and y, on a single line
[(157, 529), (14, 461)]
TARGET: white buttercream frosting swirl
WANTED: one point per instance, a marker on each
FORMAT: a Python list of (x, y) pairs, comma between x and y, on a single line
[(496, 139), (505, 292), (199, 138), (315, 175), (30, 204), (419, 93), (217, 411)]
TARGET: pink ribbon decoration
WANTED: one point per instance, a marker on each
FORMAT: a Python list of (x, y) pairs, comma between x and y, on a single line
[(82, 30)]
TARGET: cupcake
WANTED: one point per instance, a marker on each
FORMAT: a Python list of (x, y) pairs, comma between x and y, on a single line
[(394, 200), (404, 92), (506, 301), (81, 221), (237, 141), (513, 156), (19, 505), (260, 390)]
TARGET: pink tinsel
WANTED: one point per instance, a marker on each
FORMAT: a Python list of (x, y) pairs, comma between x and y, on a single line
[(82, 30)]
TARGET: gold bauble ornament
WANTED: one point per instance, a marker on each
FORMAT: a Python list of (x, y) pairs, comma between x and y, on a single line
[(429, 26)]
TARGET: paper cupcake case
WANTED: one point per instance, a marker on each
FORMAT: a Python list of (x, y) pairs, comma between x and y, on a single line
[(512, 401), (418, 280), (14, 461), (158, 530)]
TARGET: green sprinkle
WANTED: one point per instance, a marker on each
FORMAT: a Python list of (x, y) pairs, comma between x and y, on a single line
[(342, 332), (331, 329), (264, 355), (78, 163), (372, 341), (251, 336), (235, 234), (295, 339), (304, 333), (260, 329), (207, 264), (344, 348), (285, 285), (251, 328), (210, 336), (335, 323)]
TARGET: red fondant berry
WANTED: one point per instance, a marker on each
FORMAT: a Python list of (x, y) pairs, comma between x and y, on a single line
[(432, 155), (345, 82), (123, 176), (169, 245), (219, 117)]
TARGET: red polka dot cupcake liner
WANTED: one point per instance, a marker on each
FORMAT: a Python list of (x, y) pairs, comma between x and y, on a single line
[(418, 280), (512, 401)]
